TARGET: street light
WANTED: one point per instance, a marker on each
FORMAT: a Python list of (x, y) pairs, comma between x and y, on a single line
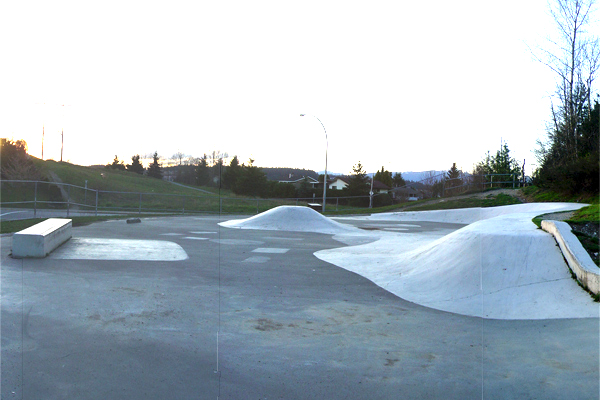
[(371, 192), (326, 148)]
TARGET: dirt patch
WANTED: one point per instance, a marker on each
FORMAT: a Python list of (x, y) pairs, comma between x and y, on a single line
[(265, 324), (559, 216), (488, 194)]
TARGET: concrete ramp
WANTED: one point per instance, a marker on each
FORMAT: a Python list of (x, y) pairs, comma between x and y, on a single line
[(294, 219), (502, 267), (470, 215)]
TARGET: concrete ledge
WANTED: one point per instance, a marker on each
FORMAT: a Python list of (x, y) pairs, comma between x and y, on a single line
[(578, 259), (41, 239)]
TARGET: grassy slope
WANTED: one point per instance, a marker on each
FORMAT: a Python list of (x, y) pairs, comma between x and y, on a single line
[(589, 213), (104, 179), (158, 195), (492, 200), (100, 178)]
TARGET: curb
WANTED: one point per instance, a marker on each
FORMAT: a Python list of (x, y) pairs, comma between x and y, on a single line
[(588, 274)]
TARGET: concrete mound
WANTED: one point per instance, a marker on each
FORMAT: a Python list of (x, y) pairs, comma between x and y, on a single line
[(293, 219), (501, 268)]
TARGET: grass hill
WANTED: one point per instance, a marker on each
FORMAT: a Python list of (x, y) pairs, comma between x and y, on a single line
[(65, 186), (105, 179)]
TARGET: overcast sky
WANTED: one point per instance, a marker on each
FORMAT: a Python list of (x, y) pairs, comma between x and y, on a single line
[(407, 85)]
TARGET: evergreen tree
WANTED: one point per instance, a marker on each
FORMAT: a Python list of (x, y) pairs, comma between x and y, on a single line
[(452, 180), (453, 177), (359, 183), (399, 180), (155, 169), (186, 174), (202, 176), (501, 163), (559, 172), (116, 164), (384, 177), (252, 181), (216, 171), (135, 165), (232, 174)]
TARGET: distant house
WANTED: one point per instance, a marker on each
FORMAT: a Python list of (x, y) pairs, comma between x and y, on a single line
[(380, 187), (406, 194), (338, 183), (312, 182)]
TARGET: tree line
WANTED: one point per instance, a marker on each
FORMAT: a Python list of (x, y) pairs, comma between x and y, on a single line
[(210, 170), (568, 159), (154, 170)]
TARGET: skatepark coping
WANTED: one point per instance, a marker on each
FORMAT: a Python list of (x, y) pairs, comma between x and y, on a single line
[(577, 258)]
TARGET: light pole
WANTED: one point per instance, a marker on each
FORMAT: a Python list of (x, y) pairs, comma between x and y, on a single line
[(371, 192), (325, 176)]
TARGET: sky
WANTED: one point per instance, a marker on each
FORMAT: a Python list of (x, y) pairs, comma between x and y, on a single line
[(408, 86)]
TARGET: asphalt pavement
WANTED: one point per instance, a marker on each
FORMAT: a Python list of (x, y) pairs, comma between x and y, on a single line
[(255, 315)]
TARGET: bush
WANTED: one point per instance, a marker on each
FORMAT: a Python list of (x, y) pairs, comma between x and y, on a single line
[(580, 176), (382, 200)]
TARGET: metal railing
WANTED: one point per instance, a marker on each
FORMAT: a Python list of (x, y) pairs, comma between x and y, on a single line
[(73, 199), (78, 200)]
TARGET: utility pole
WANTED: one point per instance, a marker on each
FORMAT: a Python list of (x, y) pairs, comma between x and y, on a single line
[(42, 142), (62, 134)]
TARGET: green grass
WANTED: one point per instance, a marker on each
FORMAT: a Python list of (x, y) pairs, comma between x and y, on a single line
[(104, 179), (493, 201), (157, 194), (348, 210), (590, 213), (536, 194), (538, 220)]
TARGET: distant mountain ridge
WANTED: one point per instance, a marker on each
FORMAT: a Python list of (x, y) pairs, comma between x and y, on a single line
[(418, 176), (285, 174)]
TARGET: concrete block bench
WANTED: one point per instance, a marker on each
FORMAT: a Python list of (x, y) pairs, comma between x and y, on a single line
[(41, 239)]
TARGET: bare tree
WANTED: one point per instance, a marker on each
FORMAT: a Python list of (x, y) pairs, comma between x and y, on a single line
[(574, 57), (216, 157), (430, 178), (178, 157)]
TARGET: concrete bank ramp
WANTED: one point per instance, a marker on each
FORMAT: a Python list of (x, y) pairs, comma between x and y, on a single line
[(470, 215), (501, 267), (292, 219)]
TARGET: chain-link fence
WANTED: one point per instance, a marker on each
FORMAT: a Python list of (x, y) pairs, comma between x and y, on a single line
[(40, 196), (441, 186)]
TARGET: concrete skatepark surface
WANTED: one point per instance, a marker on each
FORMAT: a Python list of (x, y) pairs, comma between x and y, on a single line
[(252, 313), (499, 266), (291, 219)]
